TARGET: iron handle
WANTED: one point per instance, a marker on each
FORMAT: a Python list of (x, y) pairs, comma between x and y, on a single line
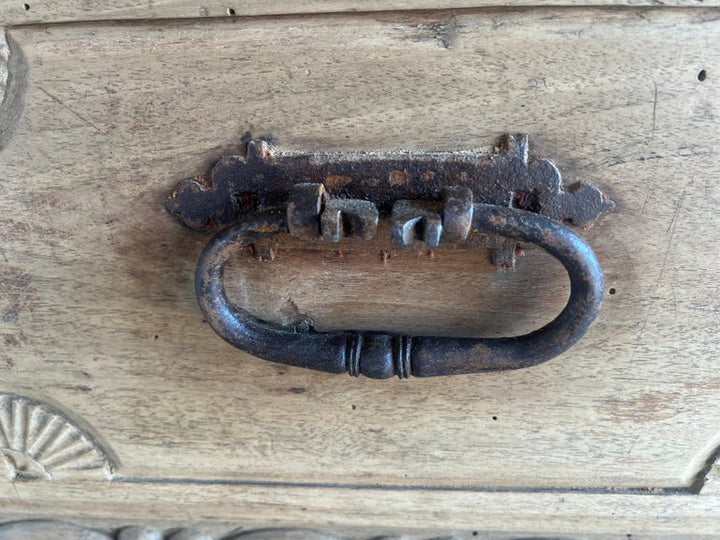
[(381, 356)]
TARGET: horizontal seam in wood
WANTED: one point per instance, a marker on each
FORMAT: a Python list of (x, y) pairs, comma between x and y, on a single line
[(411, 487), (225, 19)]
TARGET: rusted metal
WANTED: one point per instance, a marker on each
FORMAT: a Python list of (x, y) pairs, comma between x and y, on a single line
[(265, 176), (430, 198), (378, 355), (348, 218), (303, 209), (457, 208), (416, 221)]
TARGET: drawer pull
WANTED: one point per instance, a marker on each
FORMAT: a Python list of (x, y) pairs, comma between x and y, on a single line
[(431, 198), (380, 355)]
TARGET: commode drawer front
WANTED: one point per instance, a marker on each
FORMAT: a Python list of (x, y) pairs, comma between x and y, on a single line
[(117, 398)]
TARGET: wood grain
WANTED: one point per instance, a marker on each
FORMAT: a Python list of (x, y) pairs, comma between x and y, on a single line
[(581, 515), (97, 309), (14, 12), (357, 285)]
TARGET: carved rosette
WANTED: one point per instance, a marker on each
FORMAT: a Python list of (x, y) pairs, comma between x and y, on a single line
[(39, 442)]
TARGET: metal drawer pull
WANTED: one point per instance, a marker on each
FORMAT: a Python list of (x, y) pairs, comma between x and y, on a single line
[(380, 355), (429, 198)]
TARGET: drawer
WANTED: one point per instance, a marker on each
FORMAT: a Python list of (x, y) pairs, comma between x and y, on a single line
[(144, 415)]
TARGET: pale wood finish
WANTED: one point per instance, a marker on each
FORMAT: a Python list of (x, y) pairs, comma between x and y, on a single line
[(105, 530), (99, 316), (15, 12), (374, 510)]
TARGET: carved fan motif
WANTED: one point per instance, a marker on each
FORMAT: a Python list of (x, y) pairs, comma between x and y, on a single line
[(37, 441)]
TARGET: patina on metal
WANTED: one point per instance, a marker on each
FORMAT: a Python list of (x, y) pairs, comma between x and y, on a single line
[(429, 198), (264, 178)]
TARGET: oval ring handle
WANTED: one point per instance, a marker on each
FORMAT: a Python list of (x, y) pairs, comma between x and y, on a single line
[(381, 356)]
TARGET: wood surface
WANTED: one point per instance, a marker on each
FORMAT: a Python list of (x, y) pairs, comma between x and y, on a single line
[(56, 529), (15, 12), (100, 325), (33, 529)]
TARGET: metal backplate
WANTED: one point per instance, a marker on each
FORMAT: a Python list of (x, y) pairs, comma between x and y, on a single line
[(265, 176)]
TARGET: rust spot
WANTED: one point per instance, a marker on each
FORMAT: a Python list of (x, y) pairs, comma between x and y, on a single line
[(250, 248), (527, 200), (398, 177), (428, 175), (204, 182), (373, 182), (265, 228), (333, 181)]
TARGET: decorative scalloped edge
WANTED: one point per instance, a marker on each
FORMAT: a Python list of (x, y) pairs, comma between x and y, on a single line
[(38, 441), (506, 176)]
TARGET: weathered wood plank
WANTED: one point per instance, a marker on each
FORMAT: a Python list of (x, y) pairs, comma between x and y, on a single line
[(14, 12), (215, 508)]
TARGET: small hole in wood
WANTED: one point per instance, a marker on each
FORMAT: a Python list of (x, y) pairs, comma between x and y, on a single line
[(494, 417), (702, 75), (611, 291), (26, 7), (353, 407), (156, 336), (230, 11)]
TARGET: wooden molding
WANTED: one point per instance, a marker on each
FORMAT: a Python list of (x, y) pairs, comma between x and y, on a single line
[(42, 529)]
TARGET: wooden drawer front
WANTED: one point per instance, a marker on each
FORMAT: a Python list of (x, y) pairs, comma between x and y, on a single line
[(101, 326)]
